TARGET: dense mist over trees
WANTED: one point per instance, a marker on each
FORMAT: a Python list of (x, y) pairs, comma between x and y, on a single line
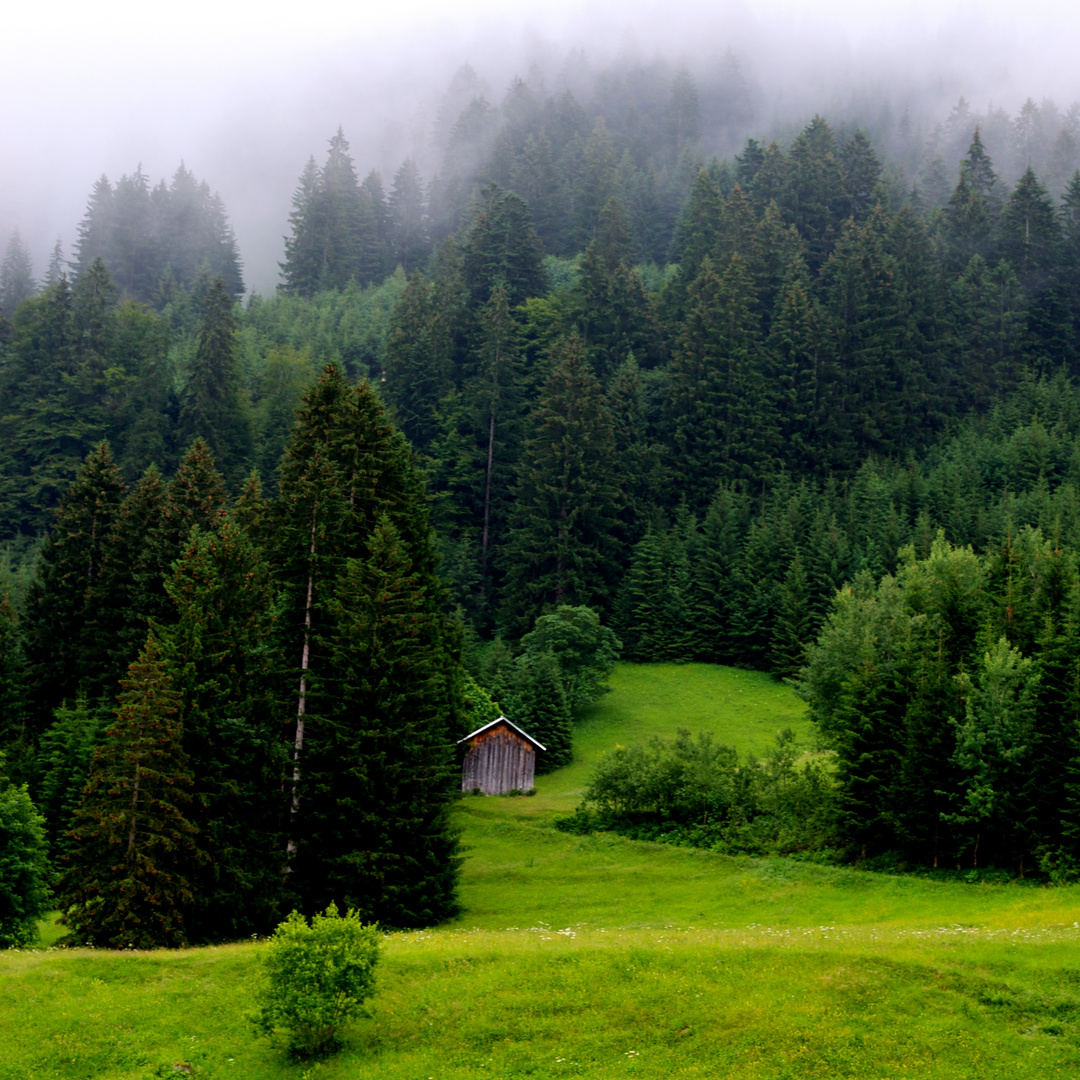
[(612, 351)]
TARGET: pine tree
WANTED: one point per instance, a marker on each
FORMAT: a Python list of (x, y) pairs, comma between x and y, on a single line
[(374, 259), (129, 593), (561, 548), (213, 407), (128, 880), (1030, 232), (344, 468), (494, 395), (861, 170), (217, 651), (196, 495), (325, 247), (16, 276), (14, 733), (795, 624), (302, 268), (60, 643), (409, 242), (379, 766), (813, 190), (971, 216), (417, 374), (500, 247), (63, 764)]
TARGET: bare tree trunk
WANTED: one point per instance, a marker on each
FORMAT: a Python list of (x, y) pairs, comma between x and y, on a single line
[(134, 811), (487, 491), (301, 705)]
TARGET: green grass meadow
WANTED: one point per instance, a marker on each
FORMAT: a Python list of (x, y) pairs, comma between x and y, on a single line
[(600, 956)]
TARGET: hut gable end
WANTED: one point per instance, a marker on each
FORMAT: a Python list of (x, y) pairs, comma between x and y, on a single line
[(500, 758)]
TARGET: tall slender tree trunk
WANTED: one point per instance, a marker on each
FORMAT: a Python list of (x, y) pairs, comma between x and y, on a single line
[(487, 491), (301, 705), (134, 811)]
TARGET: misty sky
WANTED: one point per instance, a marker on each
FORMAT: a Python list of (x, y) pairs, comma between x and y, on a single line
[(244, 92)]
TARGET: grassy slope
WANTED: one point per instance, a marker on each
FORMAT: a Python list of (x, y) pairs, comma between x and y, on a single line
[(741, 708), (602, 957)]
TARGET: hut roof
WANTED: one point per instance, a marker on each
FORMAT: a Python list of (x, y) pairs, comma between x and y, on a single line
[(509, 724)]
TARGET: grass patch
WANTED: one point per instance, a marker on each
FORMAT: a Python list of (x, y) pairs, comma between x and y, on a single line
[(744, 709), (603, 957)]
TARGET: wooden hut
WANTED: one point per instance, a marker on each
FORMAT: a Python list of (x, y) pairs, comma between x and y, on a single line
[(501, 758)]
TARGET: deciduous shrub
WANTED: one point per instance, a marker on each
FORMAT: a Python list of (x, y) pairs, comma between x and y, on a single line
[(318, 976), (23, 866), (696, 792)]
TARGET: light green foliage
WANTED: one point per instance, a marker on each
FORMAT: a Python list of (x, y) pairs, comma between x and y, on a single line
[(993, 740), (318, 977), (23, 866), (585, 650), (695, 791), (479, 707), (628, 959)]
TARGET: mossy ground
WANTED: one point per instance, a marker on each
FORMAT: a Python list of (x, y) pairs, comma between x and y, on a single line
[(599, 956)]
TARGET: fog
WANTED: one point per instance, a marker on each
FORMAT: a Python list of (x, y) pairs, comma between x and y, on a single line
[(244, 93)]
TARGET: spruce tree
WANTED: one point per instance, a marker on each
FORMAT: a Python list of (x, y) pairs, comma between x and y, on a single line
[(562, 547), (345, 467), (60, 634), (16, 276), (213, 407), (407, 208), (127, 882), (379, 767), (218, 653)]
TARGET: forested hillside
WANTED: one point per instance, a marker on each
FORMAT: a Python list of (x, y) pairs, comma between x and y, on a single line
[(587, 365)]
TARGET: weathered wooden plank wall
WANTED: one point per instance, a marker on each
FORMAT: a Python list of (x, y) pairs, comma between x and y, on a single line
[(498, 761)]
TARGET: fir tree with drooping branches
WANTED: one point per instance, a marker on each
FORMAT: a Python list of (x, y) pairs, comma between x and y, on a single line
[(127, 883)]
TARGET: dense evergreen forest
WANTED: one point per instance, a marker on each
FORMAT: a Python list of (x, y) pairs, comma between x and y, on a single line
[(809, 407)]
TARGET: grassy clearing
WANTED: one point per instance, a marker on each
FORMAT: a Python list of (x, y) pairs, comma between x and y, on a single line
[(740, 708), (602, 957)]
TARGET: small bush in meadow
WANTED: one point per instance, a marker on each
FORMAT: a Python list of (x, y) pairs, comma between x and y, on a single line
[(318, 977)]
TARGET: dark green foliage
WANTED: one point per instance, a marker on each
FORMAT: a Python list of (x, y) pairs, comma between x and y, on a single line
[(654, 608), (63, 766), (127, 882), (352, 516), (971, 216), (795, 623), (213, 408), (378, 767), (17, 740), (60, 633), (501, 247), (417, 371), (562, 540), (543, 709), (218, 655), (345, 231)]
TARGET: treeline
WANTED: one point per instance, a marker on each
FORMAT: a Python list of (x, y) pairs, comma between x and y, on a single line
[(805, 328), (290, 690), (697, 455), (949, 693), (797, 336), (158, 241)]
